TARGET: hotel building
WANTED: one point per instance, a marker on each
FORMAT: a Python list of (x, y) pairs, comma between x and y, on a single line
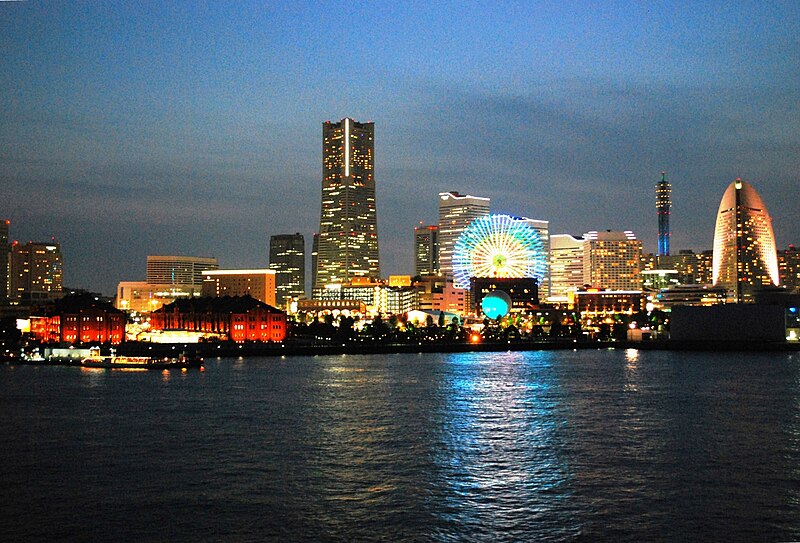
[(611, 260), (745, 258)]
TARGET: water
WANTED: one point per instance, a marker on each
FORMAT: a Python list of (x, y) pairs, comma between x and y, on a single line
[(537, 446)]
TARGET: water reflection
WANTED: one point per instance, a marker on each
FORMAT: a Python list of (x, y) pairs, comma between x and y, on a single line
[(498, 449)]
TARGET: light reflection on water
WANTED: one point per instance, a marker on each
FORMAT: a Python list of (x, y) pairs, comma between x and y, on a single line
[(627, 445)]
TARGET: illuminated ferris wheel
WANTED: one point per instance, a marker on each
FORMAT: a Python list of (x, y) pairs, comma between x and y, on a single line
[(498, 246)]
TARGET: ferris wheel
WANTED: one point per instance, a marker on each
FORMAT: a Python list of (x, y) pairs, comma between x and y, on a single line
[(498, 246)]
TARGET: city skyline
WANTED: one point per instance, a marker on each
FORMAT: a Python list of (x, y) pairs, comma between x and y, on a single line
[(133, 130)]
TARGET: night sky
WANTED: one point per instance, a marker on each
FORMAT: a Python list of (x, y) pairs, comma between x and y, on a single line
[(141, 128)]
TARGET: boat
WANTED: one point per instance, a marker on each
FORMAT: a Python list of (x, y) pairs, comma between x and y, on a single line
[(97, 360)]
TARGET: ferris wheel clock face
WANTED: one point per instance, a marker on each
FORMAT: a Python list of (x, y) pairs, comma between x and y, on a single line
[(498, 246)]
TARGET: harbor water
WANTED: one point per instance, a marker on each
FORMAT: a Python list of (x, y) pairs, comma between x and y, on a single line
[(589, 445)]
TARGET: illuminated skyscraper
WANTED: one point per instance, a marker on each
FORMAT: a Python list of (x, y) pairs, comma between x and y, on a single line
[(663, 205), (745, 257), (611, 260), (287, 257), (426, 250), (456, 212), (348, 227)]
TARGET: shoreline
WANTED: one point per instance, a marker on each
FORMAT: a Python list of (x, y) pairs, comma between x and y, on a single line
[(247, 350)]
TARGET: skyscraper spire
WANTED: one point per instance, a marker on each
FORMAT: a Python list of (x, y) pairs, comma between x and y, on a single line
[(347, 243), (663, 205)]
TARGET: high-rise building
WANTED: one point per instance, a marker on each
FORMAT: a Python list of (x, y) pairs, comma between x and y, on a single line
[(566, 264), (287, 258), (789, 266), (5, 255), (426, 250), (456, 212), (663, 205), (611, 260), (37, 271), (179, 270), (745, 258), (348, 226)]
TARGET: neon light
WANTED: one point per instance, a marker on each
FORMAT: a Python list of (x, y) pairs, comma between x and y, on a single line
[(346, 147), (498, 246)]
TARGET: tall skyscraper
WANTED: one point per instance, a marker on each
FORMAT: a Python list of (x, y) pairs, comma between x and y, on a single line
[(426, 250), (287, 257), (5, 256), (566, 264), (348, 226), (37, 271), (179, 270), (611, 260), (456, 212), (745, 257), (663, 205)]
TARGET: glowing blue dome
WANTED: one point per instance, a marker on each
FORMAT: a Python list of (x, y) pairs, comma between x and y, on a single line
[(496, 304)]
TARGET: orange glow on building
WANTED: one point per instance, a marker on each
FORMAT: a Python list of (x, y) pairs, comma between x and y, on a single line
[(240, 318), (78, 319)]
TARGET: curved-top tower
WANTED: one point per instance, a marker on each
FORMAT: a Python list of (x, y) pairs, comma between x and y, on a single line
[(745, 257)]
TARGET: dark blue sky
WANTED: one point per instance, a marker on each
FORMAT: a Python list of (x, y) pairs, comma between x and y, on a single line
[(139, 128)]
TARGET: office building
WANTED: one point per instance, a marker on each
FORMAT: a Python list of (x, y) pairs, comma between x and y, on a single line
[(426, 250), (179, 270), (287, 258), (348, 230), (663, 205), (611, 260), (745, 258), (456, 212), (258, 284), (37, 271), (566, 264)]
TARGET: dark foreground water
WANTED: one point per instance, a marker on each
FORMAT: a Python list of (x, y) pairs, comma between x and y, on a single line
[(588, 445)]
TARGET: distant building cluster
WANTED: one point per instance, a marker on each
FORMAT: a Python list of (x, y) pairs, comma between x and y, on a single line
[(465, 256)]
